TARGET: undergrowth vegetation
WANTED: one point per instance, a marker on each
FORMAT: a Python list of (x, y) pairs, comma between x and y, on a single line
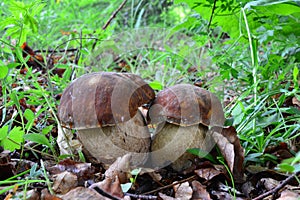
[(246, 52)]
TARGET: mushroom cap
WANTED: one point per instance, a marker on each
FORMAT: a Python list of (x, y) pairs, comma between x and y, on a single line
[(103, 99), (187, 105)]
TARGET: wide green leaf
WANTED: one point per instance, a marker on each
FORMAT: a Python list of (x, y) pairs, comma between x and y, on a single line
[(3, 71), (11, 140), (38, 138)]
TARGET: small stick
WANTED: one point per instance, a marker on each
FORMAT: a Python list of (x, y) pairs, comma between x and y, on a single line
[(211, 16), (55, 51), (276, 189), (106, 194), (140, 196), (114, 15), (171, 185)]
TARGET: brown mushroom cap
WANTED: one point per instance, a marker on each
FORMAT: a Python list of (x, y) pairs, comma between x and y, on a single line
[(187, 105), (103, 99)]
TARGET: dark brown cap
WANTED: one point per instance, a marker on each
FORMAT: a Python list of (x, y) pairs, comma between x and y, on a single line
[(187, 105)]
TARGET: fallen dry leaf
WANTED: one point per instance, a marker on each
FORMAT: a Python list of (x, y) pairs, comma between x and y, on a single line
[(64, 182), (83, 171), (230, 147), (208, 173), (110, 186), (155, 176), (47, 196), (83, 193), (199, 191), (295, 101), (120, 168), (32, 195), (166, 197), (183, 191), (289, 195)]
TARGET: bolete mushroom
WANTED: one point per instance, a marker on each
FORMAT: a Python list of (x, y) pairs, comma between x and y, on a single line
[(183, 114), (103, 108)]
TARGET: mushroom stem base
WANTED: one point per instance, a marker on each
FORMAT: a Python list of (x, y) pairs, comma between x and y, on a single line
[(106, 144), (170, 143)]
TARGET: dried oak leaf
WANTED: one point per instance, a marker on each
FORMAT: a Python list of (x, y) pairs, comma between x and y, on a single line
[(110, 186), (120, 168), (83, 193), (64, 182), (83, 171), (208, 173), (199, 191), (230, 147), (45, 195), (289, 195), (183, 191)]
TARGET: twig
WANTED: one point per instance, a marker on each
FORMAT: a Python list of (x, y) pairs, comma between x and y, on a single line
[(211, 16), (276, 189), (171, 185), (140, 196), (78, 53), (114, 15), (55, 51), (105, 194)]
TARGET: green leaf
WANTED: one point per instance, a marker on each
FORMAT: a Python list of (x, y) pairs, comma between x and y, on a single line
[(224, 13), (156, 85), (274, 7), (286, 167), (297, 158), (47, 129), (3, 71), (13, 65), (38, 138), (37, 8), (3, 132), (13, 139), (202, 154), (29, 115), (296, 76), (18, 52), (33, 24)]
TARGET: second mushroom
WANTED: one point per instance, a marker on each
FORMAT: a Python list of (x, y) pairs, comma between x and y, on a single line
[(182, 114)]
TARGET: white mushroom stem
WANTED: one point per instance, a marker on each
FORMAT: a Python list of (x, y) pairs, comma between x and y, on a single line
[(171, 142), (106, 144)]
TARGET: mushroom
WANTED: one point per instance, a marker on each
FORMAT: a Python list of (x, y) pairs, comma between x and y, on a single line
[(103, 108), (183, 114)]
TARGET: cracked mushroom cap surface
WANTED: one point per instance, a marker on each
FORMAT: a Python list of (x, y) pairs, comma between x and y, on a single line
[(103, 99), (187, 105)]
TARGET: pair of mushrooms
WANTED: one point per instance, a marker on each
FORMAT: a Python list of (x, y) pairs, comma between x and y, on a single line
[(104, 109)]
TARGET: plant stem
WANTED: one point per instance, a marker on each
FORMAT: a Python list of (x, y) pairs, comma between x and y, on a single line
[(254, 61)]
